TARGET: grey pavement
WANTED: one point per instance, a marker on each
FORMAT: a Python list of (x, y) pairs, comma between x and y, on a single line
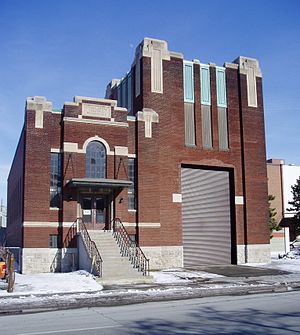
[(236, 280), (274, 313)]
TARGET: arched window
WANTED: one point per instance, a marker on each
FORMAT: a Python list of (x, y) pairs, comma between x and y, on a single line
[(95, 160)]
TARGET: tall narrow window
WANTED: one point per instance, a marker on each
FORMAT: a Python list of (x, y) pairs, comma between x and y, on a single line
[(95, 160), (222, 108), (188, 81), (124, 97), (205, 106), (205, 84), (189, 112), (221, 87), (131, 189), (129, 92), (55, 180), (119, 95), (138, 78)]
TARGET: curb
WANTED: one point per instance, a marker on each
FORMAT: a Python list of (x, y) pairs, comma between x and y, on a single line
[(108, 298)]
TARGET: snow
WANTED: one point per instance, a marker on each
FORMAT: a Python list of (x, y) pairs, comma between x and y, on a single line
[(293, 254), (83, 284), (174, 276), (52, 283), (287, 262)]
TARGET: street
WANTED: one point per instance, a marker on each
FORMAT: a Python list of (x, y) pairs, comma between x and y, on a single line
[(252, 314)]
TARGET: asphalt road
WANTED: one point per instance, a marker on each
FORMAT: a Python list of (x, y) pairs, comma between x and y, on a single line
[(255, 314)]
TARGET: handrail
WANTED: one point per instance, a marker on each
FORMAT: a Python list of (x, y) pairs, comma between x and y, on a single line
[(129, 248), (91, 247)]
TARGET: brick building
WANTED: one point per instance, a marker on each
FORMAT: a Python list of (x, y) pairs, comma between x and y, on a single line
[(176, 150)]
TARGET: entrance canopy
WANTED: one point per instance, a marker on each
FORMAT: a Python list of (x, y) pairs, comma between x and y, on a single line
[(98, 183)]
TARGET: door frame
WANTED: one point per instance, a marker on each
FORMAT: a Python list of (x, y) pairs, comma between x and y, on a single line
[(93, 225)]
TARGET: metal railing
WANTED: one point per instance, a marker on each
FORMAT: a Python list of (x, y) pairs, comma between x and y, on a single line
[(129, 248), (91, 248)]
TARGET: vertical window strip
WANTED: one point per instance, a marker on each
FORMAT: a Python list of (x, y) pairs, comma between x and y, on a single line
[(55, 180), (119, 94), (131, 189), (205, 84), (223, 128), (206, 127), (129, 92), (137, 77), (221, 87), (188, 81), (189, 124), (124, 91)]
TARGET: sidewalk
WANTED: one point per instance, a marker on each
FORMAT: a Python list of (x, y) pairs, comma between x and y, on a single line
[(79, 289)]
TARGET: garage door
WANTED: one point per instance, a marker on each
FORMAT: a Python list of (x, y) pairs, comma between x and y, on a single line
[(206, 217)]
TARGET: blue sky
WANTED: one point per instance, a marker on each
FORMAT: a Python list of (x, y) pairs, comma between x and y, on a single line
[(63, 48)]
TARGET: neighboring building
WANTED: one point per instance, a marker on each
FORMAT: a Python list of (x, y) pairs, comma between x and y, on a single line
[(176, 151), (2, 215), (2, 223), (281, 178)]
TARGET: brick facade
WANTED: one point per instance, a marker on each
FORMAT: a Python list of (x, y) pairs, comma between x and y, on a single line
[(152, 132)]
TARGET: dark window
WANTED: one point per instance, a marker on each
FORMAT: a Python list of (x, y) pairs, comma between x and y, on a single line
[(53, 241), (96, 160), (55, 180), (131, 189)]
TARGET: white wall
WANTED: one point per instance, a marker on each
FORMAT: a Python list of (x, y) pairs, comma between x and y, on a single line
[(84, 261), (290, 174), (280, 243)]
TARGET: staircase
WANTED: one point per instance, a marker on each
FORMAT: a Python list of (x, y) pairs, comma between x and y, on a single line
[(115, 268)]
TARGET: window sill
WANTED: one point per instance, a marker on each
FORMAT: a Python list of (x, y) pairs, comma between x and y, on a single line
[(54, 209), (132, 210)]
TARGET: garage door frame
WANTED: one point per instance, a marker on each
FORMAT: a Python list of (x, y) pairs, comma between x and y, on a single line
[(232, 203)]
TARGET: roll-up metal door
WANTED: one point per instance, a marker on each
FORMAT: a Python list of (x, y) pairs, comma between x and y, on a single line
[(206, 217)]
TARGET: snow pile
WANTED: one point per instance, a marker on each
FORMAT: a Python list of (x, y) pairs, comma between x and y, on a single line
[(45, 283), (293, 254)]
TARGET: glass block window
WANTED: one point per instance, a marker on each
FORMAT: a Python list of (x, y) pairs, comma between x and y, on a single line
[(221, 86), (95, 160), (188, 81), (55, 180), (205, 84), (131, 189)]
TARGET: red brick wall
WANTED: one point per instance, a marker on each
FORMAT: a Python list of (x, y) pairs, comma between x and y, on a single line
[(255, 166), (39, 142), (75, 163), (15, 197), (160, 158)]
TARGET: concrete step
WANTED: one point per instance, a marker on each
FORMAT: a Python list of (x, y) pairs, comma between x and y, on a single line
[(116, 269), (106, 280)]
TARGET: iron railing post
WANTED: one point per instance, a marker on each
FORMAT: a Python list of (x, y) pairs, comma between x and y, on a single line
[(129, 248)]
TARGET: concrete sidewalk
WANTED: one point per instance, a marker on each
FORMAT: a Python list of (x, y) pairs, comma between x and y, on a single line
[(235, 280)]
